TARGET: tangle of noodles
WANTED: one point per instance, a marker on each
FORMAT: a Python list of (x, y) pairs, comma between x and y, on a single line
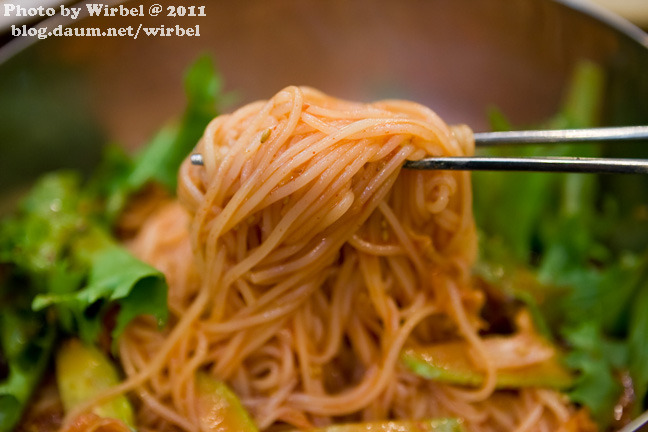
[(301, 259)]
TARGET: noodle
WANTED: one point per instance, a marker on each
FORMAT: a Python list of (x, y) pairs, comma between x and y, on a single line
[(301, 259)]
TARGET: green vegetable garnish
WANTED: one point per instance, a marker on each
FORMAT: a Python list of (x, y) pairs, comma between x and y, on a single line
[(61, 269), (563, 230), (219, 409), (83, 372), (120, 176), (76, 265), (449, 363), (27, 341)]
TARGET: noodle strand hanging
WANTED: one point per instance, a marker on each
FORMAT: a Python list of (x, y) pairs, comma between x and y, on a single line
[(302, 259)]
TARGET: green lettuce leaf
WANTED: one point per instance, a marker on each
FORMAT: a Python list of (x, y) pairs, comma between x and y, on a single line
[(115, 277), (545, 195), (119, 176), (61, 270), (27, 342), (637, 346), (591, 289), (162, 157), (596, 358), (76, 264)]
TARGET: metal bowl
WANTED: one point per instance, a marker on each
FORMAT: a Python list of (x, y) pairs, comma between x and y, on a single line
[(62, 98)]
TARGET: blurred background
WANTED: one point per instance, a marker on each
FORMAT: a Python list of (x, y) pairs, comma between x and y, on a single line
[(635, 11)]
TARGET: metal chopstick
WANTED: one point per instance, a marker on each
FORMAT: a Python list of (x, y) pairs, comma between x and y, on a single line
[(541, 164), (636, 424), (622, 133)]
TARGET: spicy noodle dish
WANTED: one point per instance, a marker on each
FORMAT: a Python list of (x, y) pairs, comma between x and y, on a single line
[(301, 279)]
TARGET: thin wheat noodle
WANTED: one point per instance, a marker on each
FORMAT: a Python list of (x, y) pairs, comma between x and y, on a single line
[(303, 259)]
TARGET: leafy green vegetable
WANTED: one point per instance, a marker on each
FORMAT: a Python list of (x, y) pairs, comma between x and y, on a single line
[(27, 340), (590, 289), (161, 159), (637, 346), (119, 177), (595, 357), (61, 270), (76, 264), (114, 277), (541, 191)]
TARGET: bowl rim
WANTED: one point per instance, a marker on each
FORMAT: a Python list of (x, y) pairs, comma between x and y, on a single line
[(609, 18)]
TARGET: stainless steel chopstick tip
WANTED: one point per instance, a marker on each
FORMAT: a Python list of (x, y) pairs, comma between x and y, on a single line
[(196, 159)]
